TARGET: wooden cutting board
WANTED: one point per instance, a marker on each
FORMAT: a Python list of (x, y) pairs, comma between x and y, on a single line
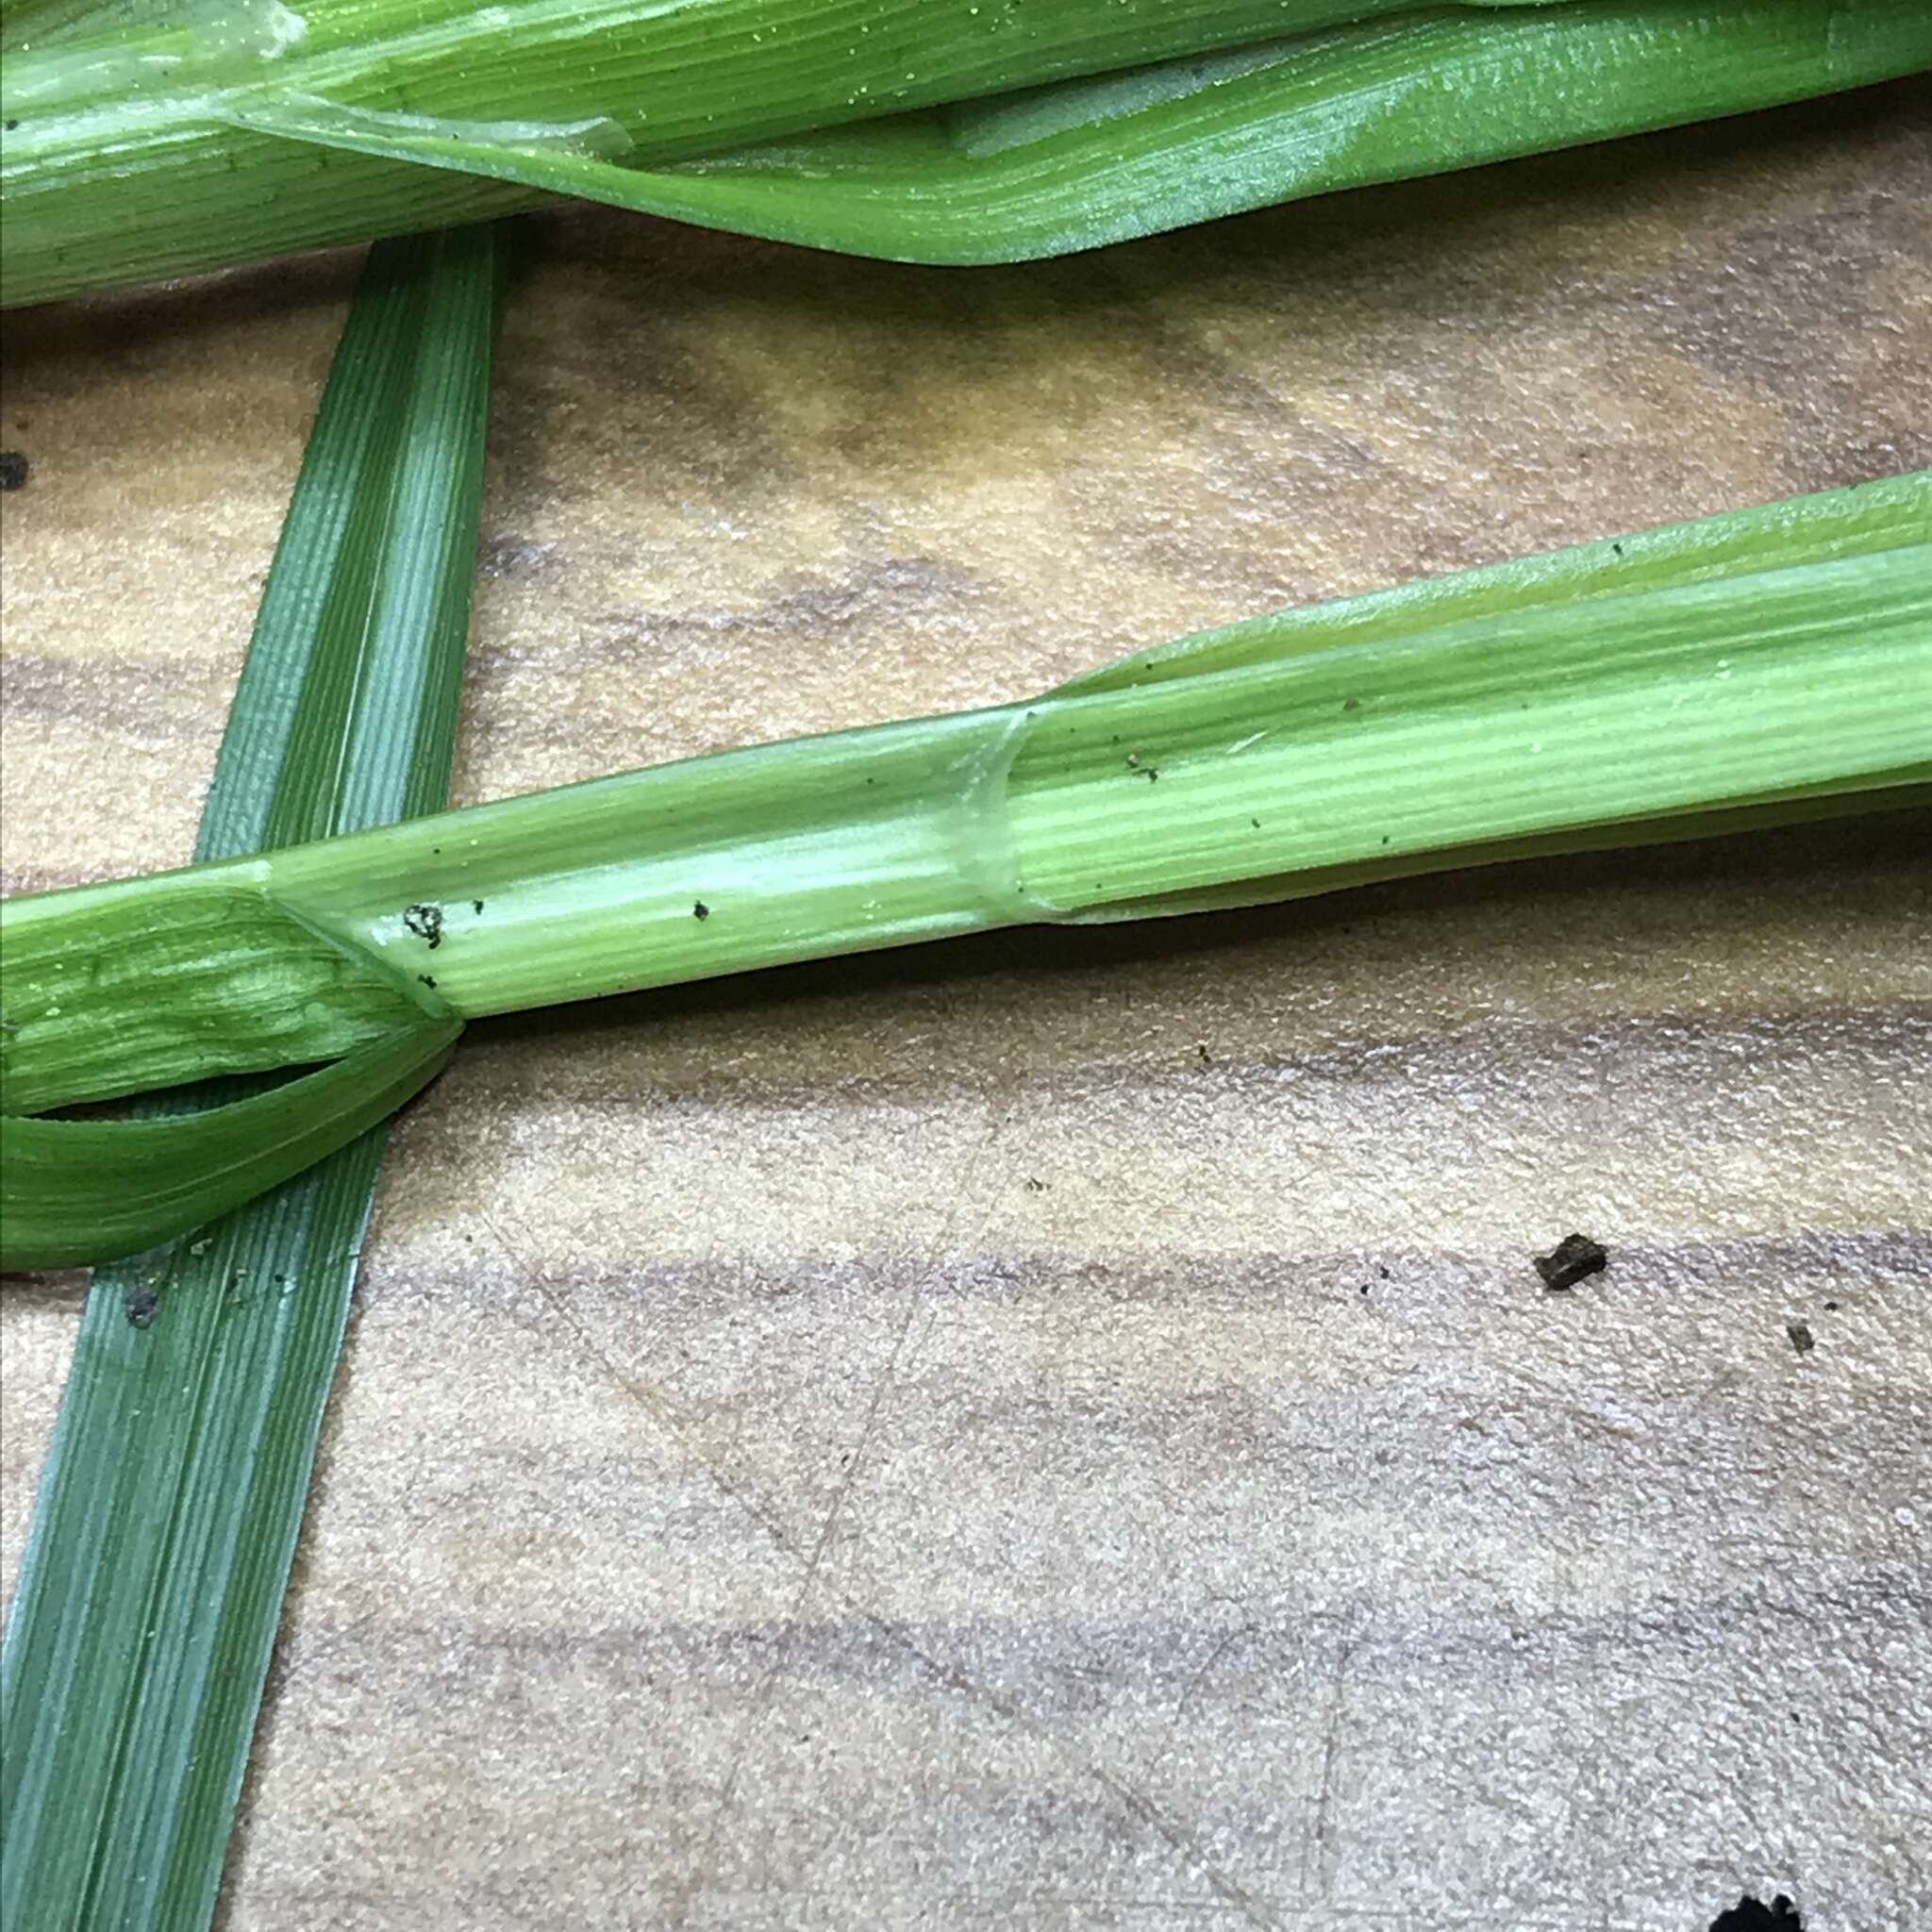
[(1064, 1431)]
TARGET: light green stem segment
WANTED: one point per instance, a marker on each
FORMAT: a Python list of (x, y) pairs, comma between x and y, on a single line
[(1771, 660)]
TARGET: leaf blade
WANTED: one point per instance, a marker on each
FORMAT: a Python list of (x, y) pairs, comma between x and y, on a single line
[(761, 116), (1375, 102), (74, 1193), (151, 1585)]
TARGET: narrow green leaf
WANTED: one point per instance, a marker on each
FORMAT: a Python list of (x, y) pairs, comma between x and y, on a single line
[(1874, 519), (131, 156), (1094, 161), (91, 1016), (152, 1582), (78, 1191), (885, 127)]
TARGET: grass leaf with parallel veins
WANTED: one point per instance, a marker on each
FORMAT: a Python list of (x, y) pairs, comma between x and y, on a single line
[(882, 127), (1091, 162), (151, 1589)]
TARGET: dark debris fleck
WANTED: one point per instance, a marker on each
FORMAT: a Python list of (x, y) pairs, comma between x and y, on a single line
[(14, 470), (1574, 1259), (701, 910), (1802, 1338), (425, 922), (142, 1305), (1752, 1915)]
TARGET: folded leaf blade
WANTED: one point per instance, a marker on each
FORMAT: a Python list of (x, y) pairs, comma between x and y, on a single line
[(896, 129), (74, 1193), (1094, 161)]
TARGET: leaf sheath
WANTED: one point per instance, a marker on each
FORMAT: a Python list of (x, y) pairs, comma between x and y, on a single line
[(1771, 661)]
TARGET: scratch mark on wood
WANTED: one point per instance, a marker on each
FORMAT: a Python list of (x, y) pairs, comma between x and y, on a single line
[(1322, 1846), (923, 1276)]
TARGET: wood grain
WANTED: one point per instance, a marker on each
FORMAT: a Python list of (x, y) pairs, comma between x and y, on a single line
[(1063, 1431)]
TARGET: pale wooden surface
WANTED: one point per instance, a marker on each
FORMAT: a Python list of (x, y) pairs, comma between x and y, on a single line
[(1064, 1432)]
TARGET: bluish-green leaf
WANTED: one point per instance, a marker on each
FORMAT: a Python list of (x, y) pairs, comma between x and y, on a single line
[(152, 1583)]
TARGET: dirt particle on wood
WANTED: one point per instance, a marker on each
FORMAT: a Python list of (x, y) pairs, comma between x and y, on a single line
[(14, 470), (1753, 1915), (1802, 1339), (142, 1305), (1572, 1260), (425, 922)]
